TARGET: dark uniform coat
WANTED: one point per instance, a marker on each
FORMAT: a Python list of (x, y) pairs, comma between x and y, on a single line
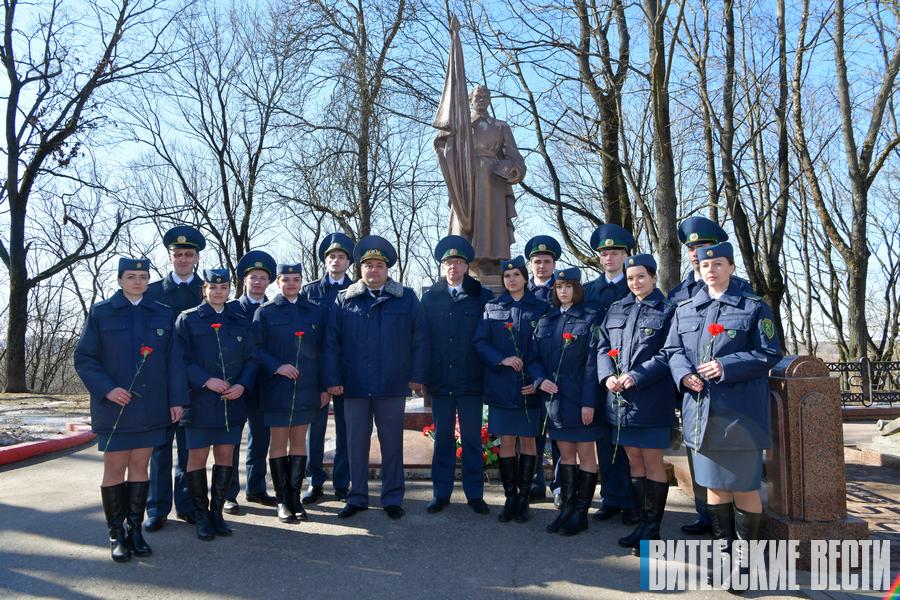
[(493, 342), (638, 331), (577, 364), (202, 360), (599, 294), (108, 356), (178, 296), (274, 327), (455, 369), (733, 412)]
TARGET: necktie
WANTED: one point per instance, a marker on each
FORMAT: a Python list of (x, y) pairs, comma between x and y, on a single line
[(455, 293), (376, 293)]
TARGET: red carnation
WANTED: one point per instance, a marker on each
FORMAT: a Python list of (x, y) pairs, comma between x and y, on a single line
[(299, 334), (216, 326), (716, 329), (459, 453), (146, 351), (509, 325), (568, 337), (613, 353), (495, 450)]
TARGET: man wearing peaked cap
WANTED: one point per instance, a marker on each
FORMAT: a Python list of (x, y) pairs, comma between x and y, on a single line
[(376, 350), (181, 289), (453, 307), (257, 270), (336, 253), (336, 242), (542, 251), (613, 244)]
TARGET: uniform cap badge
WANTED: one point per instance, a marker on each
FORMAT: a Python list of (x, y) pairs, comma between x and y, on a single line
[(138, 265), (693, 237), (542, 246), (608, 242), (630, 261), (453, 252), (709, 253), (257, 264), (181, 239)]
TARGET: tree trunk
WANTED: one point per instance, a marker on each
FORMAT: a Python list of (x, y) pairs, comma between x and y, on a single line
[(18, 299)]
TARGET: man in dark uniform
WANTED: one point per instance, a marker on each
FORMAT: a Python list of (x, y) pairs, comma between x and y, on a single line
[(453, 308), (336, 252), (181, 289), (696, 233), (612, 243), (375, 352), (542, 252), (257, 269)]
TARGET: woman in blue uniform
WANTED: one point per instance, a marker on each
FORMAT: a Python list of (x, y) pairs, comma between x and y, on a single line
[(219, 356), (289, 332), (131, 363), (502, 341), (640, 399), (563, 364), (721, 346)]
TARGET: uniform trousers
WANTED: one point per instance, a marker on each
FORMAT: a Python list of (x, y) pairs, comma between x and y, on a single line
[(159, 499), (387, 414)]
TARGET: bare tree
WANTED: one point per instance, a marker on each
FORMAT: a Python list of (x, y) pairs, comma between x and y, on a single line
[(52, 105)]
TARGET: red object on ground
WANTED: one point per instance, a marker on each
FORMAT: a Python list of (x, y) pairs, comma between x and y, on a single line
[(79, 434)]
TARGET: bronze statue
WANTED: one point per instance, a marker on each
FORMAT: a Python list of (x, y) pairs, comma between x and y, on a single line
[(480, 163)]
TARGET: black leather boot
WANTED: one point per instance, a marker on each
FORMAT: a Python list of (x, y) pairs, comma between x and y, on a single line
[(509, 477), (137, 502), (115, 499), (199, 492), (637, 484), (297, 477), (567, 476), (655, 495), (525, 481), (584, 493), (746, 528), (721, 523), (280, 468), (221, 481)]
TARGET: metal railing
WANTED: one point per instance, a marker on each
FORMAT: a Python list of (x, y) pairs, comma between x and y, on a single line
[(868, 383)]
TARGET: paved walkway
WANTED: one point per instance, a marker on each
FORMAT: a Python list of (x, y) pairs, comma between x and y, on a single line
[(52, 544)]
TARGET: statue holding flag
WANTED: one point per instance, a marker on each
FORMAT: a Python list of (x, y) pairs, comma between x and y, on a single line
[(480, 163)]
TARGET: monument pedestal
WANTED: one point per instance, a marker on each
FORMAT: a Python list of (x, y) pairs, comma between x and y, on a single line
[(805, 466)]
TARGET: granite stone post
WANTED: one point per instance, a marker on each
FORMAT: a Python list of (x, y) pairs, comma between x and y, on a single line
[(805, 466)]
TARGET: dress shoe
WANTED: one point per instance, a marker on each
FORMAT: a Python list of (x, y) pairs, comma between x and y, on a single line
[(154, 523), (187, 518), (341, 494), (479, 506), (264, 498), (698, 527), (630, 516), (436, 505), (350, 510), (537, 493), (394, 511), (231, 507), (312, 495), (606, 512)]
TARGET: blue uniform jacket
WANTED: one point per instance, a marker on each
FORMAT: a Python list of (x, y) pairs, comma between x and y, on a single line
[(177, 296), (638, 331), (493, 342), (324, 293), (203, 361), (275, 325), (455, 370), (689, 287), (108, 356), (599, 294), (244, 306), (733, 412), (376, 347), (577, 364), (542, 292)]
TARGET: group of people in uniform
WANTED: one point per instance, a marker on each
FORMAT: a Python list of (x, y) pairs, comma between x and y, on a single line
[(599, 367)]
